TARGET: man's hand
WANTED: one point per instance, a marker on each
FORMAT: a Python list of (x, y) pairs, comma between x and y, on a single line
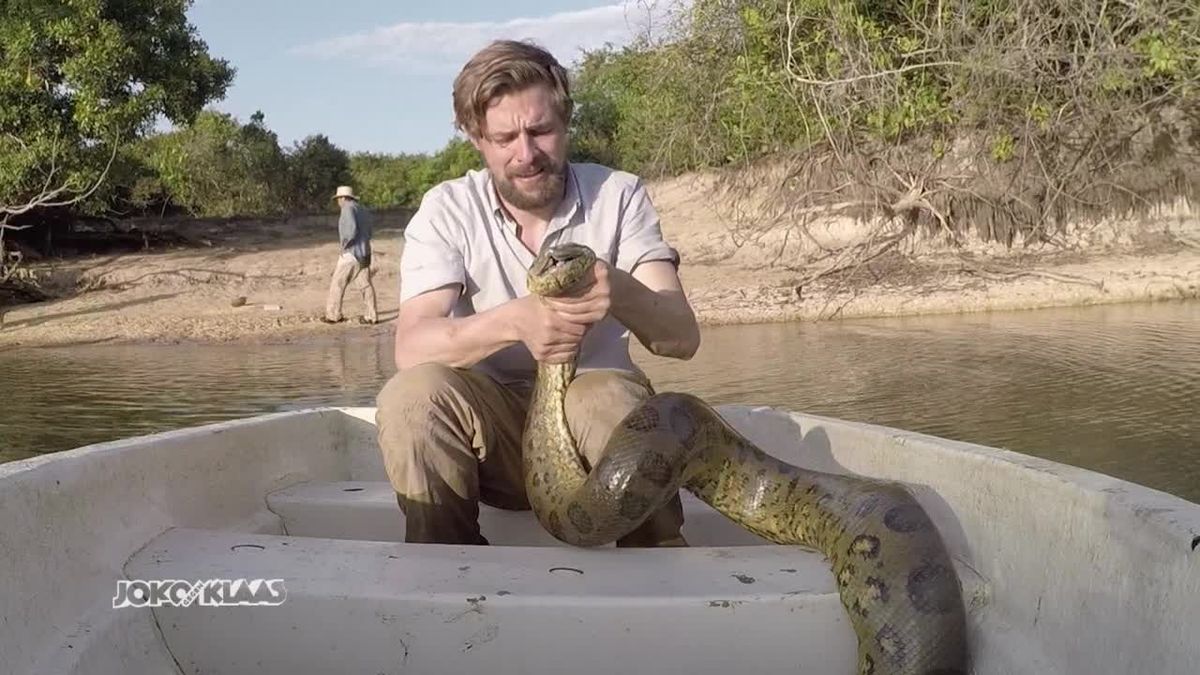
[(590, 301), (549, 336), (654, 307)]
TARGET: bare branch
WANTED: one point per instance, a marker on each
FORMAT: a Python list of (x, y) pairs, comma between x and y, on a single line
[(48, 197), (872, 76), (995, 274), (11, 261)]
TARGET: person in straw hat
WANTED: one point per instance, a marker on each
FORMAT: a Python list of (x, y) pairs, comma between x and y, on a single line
[(354, 262)]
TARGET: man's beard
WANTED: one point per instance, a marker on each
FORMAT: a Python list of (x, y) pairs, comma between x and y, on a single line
[(543, 194)]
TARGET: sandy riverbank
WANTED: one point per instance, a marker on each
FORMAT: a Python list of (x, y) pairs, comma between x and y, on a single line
[(186, 294)]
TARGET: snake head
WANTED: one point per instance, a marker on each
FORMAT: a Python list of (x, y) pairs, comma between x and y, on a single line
[(558, 268)]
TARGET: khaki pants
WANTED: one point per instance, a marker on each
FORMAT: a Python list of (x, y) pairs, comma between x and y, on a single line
[(452, 437), (348, 269)]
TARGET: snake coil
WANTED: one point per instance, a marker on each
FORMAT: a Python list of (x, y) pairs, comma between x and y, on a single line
[(893, 571)]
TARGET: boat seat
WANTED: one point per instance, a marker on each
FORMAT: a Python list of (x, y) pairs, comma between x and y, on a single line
[(389, 607), (368, 510)]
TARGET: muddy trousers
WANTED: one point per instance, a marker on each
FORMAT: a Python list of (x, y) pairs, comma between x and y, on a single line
[(346, 270), (451, 438)]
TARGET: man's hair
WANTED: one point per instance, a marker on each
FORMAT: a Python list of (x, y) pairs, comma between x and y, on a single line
[(501, 68)]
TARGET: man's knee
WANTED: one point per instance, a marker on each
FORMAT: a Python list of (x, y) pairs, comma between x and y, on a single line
[(410, 400), (596, 402), (601, 389), (411, 393), (420, 427)]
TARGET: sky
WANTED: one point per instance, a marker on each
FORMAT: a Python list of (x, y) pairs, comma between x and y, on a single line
[(376, 75)]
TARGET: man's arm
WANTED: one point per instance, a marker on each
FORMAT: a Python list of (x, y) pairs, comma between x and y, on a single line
[(652, 305), (432, 276), (425, 332), (648, 299)]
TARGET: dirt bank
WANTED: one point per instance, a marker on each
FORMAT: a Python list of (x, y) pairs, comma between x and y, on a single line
[(281, 268)]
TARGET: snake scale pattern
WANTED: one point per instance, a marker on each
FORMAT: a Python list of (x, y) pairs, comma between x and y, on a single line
[(893, 572)]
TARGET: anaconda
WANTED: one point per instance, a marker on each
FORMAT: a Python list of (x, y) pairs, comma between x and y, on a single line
[(893, 572)]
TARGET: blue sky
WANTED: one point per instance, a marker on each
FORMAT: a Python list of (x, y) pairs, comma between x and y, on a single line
[(376, 75)]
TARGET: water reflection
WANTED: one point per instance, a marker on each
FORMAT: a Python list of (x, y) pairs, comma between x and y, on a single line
[(64, 398), (1114, 388)]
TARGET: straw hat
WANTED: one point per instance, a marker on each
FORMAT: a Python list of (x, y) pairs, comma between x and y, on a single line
[(345, 191)]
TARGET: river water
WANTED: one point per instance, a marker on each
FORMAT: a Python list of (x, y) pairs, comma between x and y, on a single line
[(1111, 388)]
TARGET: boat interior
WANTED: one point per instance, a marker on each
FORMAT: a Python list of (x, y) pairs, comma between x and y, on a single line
[(301, 499)]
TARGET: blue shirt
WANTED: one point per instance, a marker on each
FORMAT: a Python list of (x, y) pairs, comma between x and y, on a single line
[(354, 231)]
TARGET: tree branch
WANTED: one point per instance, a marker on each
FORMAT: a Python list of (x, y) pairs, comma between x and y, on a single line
[(46, 198)]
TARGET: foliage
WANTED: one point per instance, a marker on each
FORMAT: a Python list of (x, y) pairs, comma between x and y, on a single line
[(384, 180), (217, 167), (401, 180), (454, 159), (1005, 114), (80, 78), (220, 168), (742, 79), (316, 167)]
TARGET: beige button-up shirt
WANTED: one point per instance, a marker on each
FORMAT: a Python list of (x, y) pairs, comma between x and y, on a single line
[(461, 235)]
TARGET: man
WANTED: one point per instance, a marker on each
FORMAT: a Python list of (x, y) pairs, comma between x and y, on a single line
[(354, 262), (468, 334)]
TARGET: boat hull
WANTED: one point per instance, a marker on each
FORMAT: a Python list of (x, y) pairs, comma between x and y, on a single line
[(1066, 570)]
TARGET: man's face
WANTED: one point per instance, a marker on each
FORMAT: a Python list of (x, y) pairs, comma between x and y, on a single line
[(524, 145)]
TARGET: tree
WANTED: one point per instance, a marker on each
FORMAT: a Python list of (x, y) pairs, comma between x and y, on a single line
[(384, 181), (454, 160), (1012, 119), (78, 80), (316, 168), (402, 180), (218, 167)]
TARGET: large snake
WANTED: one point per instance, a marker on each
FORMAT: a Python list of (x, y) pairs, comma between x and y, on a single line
[(893, 572)]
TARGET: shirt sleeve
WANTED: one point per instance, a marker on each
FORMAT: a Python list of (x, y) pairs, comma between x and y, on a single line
[(641, 238), (430, 259)]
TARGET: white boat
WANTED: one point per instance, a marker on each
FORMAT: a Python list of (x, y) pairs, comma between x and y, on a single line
[(1064, 570)]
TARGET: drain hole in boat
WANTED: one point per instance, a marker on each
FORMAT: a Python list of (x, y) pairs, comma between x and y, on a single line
[(250, 546), (352, 489), (560, 570)]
